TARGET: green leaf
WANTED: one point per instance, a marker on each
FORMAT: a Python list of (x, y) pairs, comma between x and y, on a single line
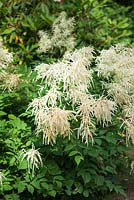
[(92, 152), (28, 143), (110, 169), (21, 186), (2, 113), (98, 141), (59, 184), (44, 185), (72, 153), (8, 31), (86, 193), (12, 196), (7, 187), (23, 165), (12, 161), (36, 183), (86, 177), (52, 193), (69, 147), (119, 189), (30, 188), (78, 159), (59, 178), (109, 185), (99, 180), (110, 137)]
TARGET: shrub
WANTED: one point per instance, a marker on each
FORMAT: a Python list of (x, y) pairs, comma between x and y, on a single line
[(80, 143), (99, 24)]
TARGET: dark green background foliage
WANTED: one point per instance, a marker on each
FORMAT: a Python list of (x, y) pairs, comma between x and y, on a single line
[(71, 170), (97, 23)]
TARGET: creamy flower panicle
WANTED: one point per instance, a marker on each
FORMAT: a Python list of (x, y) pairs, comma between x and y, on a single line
[(117, 65), (8, 80), (33, 159), (6, 58), (67, 79), (2, 177), (61, 36)]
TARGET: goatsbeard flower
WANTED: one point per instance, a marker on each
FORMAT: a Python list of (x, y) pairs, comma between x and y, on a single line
[(119, 93), (5, 57), (39, 109), (61, 36), (104, 109), (129, 129), (2, 177), (87, 127), (10, 81), (33, 159), (45, 42), (51, 121), (56, 122)]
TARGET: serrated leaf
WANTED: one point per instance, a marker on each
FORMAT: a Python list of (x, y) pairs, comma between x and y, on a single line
[(12, 196), (30, 188), (78, 159), (36, 183), (109, 185), (110, 138), (69, 147), (21, 187), (110, 169)]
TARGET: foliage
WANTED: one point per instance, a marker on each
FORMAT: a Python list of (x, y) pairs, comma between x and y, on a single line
[(97, 23), (100, 23), (71, 169)]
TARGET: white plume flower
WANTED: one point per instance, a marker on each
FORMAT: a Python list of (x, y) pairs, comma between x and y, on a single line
[(61, 36), (56, 123), (5, 57), (2, 177), (129, 129), (33, 159), (104, 109), (10, 81), (119, 93), (87, 127), (117, 61), (117, 65), (45, 42)]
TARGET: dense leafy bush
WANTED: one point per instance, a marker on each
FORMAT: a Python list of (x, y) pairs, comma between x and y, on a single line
[(78, 110), (71, 169), (98, 23)]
